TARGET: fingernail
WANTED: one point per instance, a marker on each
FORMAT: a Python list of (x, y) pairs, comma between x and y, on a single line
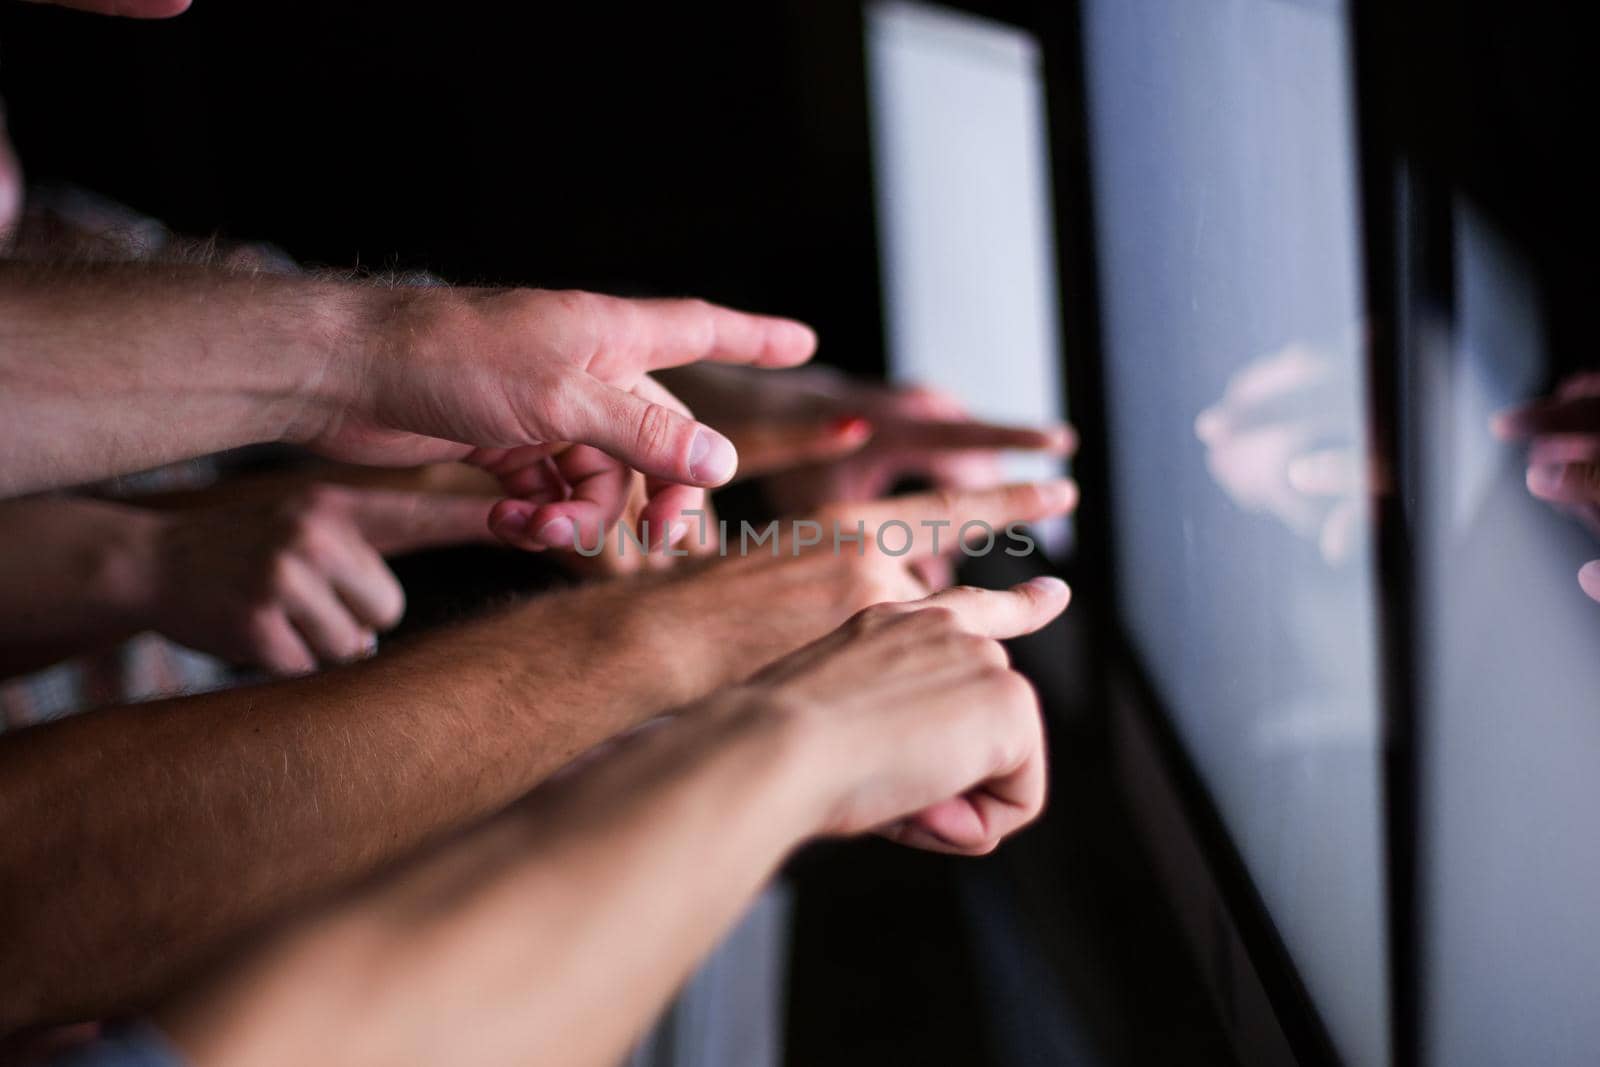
[(801, 336), (1544, 479), (851, 426), (1061, 494), (557, 533), (1048, 583), (1209, 425), (1589, 579), (1504, 423), (712, 459)]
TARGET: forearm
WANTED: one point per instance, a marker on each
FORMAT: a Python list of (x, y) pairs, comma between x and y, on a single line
[(117, 368), (551, 935), (73, 576), (138, 838)]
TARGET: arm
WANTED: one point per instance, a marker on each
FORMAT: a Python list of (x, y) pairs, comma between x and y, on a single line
[(553, 934), (116, 368), (138, 838), (222, 809), (113, 369)]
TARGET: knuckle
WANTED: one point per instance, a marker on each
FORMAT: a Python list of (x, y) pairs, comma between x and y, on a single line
[(654, 431), (260, 624), (703, 337), (279, 575), (316, 542), (875, 616), (576, 304), (937, 617)]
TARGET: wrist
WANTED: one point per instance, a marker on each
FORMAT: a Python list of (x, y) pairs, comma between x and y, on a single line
[(778, 747), (342, 337)]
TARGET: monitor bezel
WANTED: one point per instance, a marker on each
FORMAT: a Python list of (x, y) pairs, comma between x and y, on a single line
[(1243, 956)]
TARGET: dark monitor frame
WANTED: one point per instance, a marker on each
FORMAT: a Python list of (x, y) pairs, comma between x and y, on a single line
[(1260, 996), (1406, 261)]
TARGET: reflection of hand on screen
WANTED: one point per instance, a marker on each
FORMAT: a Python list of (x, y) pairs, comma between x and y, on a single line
[(1563, 435), (1280, 441)]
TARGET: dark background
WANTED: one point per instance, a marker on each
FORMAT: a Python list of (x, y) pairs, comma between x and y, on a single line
[(718, 149)]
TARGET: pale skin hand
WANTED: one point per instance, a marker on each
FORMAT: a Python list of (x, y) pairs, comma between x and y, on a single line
[(176, 362), (555, 932), (1563, 436), (220, 810)]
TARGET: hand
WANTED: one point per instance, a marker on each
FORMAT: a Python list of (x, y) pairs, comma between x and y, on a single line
[(551, 391), (907, 719), (820, 436), (912, 722), (511, 521), (1563, 433), (722, 619), (285, 584), (1276, 444)]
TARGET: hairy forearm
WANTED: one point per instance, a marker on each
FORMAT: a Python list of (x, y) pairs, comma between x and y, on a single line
[(73, 577), (139, 838), (551, 935), (110, 369)]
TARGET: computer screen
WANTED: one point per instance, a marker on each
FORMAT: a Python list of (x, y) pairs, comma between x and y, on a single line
[(1224, 190), (1509, 725), (962, 173)]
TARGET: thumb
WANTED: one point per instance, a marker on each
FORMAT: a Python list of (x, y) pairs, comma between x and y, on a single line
[(395, 522), (647, 435), (766, 447)]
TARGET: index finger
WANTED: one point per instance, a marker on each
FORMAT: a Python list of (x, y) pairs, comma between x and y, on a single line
[(1005, 613), (972, 435), (675, 332), (934, 520)]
